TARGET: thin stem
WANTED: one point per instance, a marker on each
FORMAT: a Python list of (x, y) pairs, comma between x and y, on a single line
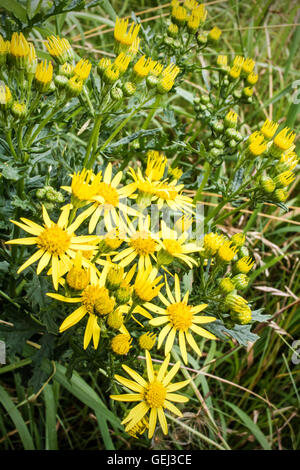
[(207, 170)]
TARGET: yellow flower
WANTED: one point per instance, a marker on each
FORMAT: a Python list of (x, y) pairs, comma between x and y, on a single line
[(289, 160), (139, 428), (227, 252), (146, 285), (176, 172), (57, 242), (170, 194), (284, 179), (147, 340), (248, 65), (154, 394), (257, 144), (235, 72), (84, 187), (78, 277), (82, 69), (179, 15), (124, 37), (60, 49), (19, 49), (43, 75), (156, 69), (222, 60), (121, 344), (108, 200), (252, 78), (141, 243), (6, 98), (180, 318), (156, 164), (142, 67), (32, 60), (214, 34), (244, 265), (122, 62), (88, 299), (174, 246), (269, 128), (284, 139), (231, 118), (211, 243), (4, 49)]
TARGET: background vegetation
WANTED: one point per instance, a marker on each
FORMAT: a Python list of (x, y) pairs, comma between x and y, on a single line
[(240, 398)]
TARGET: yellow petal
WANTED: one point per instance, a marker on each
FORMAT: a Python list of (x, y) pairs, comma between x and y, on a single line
[(31, 260), (182, 346), (162, 420), (172, 408), (128, 397), (72, 319), (22, 241), (150, 371), (172, 372), (152, 422), (176, 398), (129, 384), (135, 375), (43, 262), (170, 341), (202, 332)]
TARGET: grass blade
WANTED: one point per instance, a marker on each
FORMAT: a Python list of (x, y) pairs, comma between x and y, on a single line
[(17, 419), (253, 428)]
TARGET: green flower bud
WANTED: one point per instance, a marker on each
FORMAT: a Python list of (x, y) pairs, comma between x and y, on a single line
[(129, 88), (151, 81), (60, 81), (218, 144), (122, 295), (240, 281), (116, 93), (115, 319), (280, 195), (243, 317), (267, 184), (201, 39), (19, 110), (218, 126), (226, 285), (243, 251)]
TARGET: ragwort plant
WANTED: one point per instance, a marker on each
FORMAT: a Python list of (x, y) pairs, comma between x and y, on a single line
[(117, 235)]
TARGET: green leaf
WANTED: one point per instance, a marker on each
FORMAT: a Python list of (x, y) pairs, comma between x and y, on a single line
[(17, 419), (50, 421), (253, 428), (241, 333), (15, 8)]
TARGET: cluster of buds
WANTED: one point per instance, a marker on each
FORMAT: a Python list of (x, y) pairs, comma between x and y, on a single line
[(277, 160), (231, 264), (48, 196), (123, 80), (186, 23)]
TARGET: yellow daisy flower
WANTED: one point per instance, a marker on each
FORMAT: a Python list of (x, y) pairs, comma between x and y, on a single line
[(141, 243), (107, 201), (93, 293), (174, 246), (84, 187), (155, 394), (179, 317), (170, 194), (57, 242)]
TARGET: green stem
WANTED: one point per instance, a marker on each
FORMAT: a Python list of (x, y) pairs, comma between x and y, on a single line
[(152, 112), (41, 126), (207, 170), (233, 211), (93, 142), (123, 124), (10, 144)]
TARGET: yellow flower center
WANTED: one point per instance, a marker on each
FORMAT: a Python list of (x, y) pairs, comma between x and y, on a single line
[(143, 243), (172, 246), (54, 240), (109, 194), (155, 394), (78, 278), (90, 295), (180, 315)]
